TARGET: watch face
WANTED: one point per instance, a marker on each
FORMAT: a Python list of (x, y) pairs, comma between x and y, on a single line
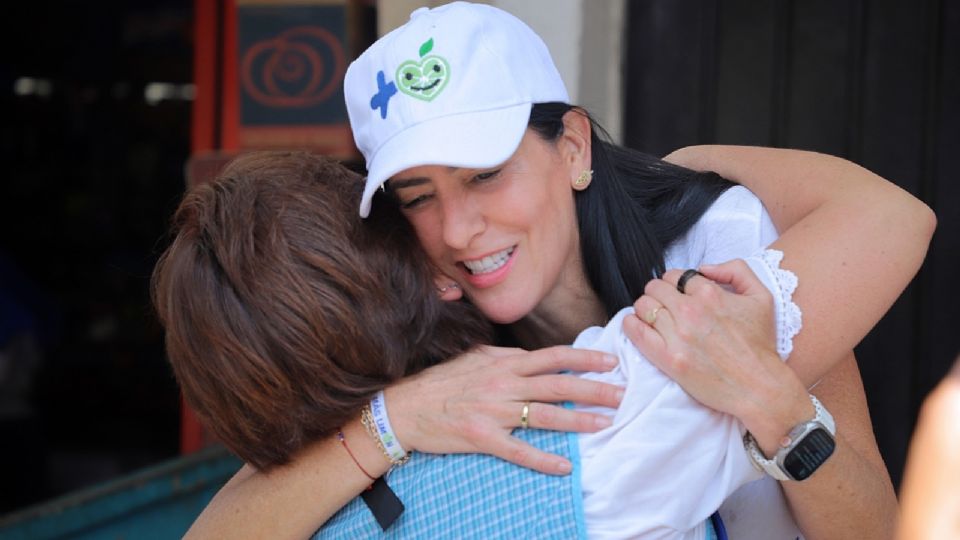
[(809, 454)]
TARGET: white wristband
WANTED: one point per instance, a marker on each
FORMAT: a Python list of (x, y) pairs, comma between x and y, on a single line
[(378, 408)]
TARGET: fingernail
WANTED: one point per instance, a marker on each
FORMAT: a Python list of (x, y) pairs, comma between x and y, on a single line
[(610, 361), (564, 467), (603, 421), (620, 393)]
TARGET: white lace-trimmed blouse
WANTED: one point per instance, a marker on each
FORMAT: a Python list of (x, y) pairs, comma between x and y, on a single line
[(668, 463)]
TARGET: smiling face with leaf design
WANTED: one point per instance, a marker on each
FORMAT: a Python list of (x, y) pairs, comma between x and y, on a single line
[(426, 78)]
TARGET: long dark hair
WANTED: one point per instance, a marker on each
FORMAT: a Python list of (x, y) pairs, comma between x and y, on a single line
[(636, 207)]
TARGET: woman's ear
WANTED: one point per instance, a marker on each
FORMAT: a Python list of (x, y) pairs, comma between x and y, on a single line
[(575, 140), (448, 289)]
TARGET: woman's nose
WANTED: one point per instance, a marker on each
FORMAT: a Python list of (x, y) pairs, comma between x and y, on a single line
[(462, 221)]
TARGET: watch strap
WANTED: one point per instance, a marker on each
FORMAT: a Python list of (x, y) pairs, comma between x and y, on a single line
[(760, 461), (772, 466), (823, 416)]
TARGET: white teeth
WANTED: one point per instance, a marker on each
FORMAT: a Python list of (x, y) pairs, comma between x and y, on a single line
[(489, 263)]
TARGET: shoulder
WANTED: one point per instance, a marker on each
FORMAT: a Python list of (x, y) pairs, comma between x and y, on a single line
[(734, 226), (735, 205)]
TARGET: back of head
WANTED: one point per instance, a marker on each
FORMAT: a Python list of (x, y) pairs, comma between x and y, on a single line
[(285, 313)]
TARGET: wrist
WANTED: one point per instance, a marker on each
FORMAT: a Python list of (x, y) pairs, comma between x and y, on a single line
[(775, 407), (399, 417), (364, 449), (376, 421), (801, 453)]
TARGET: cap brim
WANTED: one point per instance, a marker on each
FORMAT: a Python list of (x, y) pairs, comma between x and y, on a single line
[(472, 140)]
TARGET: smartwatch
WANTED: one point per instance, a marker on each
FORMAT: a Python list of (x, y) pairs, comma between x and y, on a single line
[(805, 449)]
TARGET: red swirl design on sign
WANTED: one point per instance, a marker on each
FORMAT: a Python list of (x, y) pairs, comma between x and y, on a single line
[(292, 60)]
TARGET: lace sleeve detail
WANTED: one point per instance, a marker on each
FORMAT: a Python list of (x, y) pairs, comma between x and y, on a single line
[(789, 317)]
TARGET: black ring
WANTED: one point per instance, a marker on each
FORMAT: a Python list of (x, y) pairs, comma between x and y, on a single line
[(684, 278)]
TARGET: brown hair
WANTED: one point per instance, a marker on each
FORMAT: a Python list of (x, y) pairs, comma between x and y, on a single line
[(285, 312)]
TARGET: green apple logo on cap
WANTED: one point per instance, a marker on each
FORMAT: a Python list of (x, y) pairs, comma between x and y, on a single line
[(424, 79)]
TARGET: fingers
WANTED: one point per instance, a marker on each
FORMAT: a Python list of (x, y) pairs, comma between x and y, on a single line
[(562, 358), (690, 285), (664, 293), (685, 307), (558, 388), (735, 273), (556, 418), (551, 417), (648, 309), (647, 340), (520, 453)]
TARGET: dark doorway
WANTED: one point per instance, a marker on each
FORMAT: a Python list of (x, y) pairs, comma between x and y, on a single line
[(95, 136)]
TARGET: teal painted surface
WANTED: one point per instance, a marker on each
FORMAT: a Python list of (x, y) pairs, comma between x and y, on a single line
[(159, 502)]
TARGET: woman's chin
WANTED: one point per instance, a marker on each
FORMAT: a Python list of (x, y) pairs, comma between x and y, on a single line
[(498, 313)]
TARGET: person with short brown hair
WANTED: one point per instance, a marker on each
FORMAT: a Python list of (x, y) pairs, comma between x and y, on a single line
[(285, 314)]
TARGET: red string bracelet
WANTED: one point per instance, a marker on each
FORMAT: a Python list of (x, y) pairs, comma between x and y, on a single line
[(343, 441)]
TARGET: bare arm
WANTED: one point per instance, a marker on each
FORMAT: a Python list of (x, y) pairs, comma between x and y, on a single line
[(854, 239), (860, 499), (468, 404), (294, 500), (710, 342)]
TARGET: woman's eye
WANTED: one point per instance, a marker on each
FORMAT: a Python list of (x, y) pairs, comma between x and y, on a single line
[(414, 202), (489, 175)]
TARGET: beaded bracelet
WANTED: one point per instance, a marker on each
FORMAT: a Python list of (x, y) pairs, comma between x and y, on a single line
[(373, 416)]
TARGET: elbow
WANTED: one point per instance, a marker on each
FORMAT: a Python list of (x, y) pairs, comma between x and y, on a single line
[(925, 220), (915, 217), (931, 219)]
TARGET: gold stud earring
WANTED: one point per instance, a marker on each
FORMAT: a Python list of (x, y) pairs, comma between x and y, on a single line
[(583, 180)]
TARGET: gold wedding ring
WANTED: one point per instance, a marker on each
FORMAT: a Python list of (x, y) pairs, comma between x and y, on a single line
[(652, 315), (525, 416)]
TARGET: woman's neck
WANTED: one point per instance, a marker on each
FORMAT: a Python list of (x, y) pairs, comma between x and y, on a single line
[(560, 318)]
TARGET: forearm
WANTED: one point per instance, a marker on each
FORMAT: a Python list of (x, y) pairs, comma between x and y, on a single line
[(294, 500), (844, 499), (851, 495), (466, 405)]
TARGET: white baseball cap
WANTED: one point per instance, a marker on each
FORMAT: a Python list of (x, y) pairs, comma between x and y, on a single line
[(453, 86)]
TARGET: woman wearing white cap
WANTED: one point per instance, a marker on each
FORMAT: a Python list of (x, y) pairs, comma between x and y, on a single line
[(548, 230)]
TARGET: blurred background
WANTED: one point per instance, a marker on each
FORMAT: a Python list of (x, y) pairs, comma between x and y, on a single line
[(110, 109)]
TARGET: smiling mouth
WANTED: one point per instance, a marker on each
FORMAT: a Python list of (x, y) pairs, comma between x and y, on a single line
[(427, 87), (489, 263)]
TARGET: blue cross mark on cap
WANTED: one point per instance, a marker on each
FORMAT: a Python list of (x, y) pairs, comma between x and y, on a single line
[(385, 91)]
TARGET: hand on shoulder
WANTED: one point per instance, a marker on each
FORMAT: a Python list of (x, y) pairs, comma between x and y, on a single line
[(473, 402)]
